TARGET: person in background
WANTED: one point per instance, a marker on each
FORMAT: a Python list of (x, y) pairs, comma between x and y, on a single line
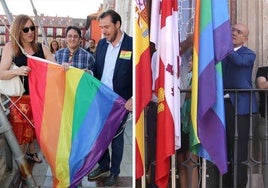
[(54, 46), (188, 175), (237, 72), (262, 83), (63, 43), (23, 31), (114, 68), (73, 54), (91, 46)]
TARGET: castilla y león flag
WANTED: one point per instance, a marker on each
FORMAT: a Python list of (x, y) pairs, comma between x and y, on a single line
[(165, 34)]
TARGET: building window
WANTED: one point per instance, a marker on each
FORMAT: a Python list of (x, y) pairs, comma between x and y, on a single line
[(59, 32), (49, 32), (2, 40), (39, 32), (2, 29)]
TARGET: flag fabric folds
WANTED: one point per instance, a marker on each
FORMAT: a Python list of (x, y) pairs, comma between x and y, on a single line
[(143, 79), (75, 117), (212, 42), (164, 33)]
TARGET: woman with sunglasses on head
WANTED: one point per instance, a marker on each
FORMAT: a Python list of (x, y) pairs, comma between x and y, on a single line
[(23, 31)]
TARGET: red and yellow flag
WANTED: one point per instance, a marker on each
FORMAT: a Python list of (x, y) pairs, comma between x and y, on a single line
[(143, 79)]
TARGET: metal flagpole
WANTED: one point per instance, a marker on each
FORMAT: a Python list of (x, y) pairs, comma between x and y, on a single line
[(7, 12), (143, 181), (173, 171), (40, 24), (204, 171), (5, 128)]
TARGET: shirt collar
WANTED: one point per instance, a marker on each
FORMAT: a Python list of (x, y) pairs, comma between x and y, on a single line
[(119, 43), (237, 48)]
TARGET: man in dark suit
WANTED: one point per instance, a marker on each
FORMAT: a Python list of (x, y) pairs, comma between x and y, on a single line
[(113, 66), (237, 72)]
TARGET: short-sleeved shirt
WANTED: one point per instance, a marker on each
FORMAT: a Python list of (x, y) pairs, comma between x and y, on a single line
[(262, 72)]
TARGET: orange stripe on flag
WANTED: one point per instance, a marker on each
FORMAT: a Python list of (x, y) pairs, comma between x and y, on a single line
[(53, 112)]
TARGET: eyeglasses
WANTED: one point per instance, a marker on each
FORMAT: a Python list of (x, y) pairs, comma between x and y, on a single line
[(26, 29), (238, 31), (73, 36)]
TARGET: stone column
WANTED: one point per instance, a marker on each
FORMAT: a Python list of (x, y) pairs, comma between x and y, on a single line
[(124, 8), (254, 14)]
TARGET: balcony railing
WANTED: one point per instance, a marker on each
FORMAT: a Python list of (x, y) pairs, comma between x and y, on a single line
[(257, 156)]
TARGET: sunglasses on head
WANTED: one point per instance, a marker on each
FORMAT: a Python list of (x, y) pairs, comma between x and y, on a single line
[(26, 29)]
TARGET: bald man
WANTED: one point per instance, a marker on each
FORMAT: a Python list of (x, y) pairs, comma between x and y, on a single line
[(237, 73)]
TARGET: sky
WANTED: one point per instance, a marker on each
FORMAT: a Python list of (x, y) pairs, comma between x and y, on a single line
[(60, 8)]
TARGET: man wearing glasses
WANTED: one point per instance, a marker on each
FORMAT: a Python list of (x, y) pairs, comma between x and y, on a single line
[(237, 72), (73, 54)]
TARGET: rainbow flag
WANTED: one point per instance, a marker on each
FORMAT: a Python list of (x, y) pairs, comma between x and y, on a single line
[(75, 117), (212, 42), (143, 80)]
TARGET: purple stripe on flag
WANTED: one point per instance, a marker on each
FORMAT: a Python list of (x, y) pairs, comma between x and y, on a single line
[(102, 142), (206, 89), (221, 47), (211, 127)]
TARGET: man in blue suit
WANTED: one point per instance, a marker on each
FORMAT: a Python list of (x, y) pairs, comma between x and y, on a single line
[(113, 66), (237, 72)]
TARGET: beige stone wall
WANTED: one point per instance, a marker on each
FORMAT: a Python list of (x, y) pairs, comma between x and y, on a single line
[(254, 14), (124, 8), (265, 33)]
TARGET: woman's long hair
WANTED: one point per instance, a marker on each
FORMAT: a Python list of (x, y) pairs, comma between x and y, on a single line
[(16, 29), (51, 48)]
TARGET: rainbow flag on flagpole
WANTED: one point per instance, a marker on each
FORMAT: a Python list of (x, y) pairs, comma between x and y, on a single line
[(75, 118), (143, 80), (212, 42)]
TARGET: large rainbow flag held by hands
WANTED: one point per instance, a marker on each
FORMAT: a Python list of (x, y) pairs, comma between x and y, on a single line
[(75, 117), (212, 42)]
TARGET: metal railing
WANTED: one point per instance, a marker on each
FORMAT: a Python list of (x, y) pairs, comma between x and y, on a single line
[(13, 146), (257, 156)]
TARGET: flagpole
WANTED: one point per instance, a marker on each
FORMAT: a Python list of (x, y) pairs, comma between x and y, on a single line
[(143, 178), (204, 171), (6, 130), (7, 12), (40, 24), (143, 181), (173, 171)]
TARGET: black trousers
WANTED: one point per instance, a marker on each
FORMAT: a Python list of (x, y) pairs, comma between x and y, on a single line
[(151, 123), (241, 138)]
